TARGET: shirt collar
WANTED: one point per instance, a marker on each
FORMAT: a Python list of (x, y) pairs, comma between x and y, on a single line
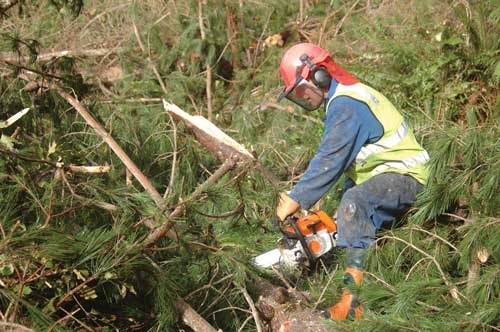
[(331, 91)]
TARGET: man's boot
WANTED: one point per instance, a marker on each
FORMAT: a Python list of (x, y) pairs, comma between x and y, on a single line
[(349, 306)]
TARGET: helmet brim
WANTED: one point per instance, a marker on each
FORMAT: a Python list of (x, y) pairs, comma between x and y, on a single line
[(283, 94), (286, 91)]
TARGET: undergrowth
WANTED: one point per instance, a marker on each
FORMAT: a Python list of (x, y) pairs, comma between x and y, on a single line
[(71, 246)]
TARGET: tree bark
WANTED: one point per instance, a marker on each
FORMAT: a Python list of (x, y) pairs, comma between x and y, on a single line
[(210, 136)]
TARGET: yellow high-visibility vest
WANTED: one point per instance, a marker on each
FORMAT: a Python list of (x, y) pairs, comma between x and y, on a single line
[(396, 151)]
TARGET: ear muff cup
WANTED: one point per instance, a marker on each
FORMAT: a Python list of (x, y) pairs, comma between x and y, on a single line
[(319, 74), (321, 77)]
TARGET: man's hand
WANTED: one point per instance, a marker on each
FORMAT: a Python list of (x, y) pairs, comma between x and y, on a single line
[(286, 207)]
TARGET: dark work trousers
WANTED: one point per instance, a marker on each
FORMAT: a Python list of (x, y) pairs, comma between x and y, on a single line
[(377, 202)]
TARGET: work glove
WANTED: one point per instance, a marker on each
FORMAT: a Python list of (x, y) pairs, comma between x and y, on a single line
[(286, 207)]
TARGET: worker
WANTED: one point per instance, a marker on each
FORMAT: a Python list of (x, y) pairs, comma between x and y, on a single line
[(365, 138)]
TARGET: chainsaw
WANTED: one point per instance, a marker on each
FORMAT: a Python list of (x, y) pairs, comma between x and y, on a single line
[(303, 241)]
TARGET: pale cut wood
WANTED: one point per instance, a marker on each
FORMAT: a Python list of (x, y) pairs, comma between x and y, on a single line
[(14, 57), (89, 169), (219, 143), (14, 118)]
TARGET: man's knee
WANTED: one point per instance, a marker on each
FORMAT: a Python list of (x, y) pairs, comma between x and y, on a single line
[(347, 210), (351, 206), (355, 227)]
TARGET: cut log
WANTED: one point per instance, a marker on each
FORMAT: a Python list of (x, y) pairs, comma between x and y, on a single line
[(289, 310)]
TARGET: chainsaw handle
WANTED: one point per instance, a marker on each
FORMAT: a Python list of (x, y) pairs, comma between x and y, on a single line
[(277, 224), (290, 221), (301, 238)]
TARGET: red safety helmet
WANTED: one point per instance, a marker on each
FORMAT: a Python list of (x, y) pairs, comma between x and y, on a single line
[(307, 70)]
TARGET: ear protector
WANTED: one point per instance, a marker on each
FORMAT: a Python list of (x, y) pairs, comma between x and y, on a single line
[(319, 74)]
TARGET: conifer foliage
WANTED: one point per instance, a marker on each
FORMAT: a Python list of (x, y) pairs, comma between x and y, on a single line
[(91, 165)]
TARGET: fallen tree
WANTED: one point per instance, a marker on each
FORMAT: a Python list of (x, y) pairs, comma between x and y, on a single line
[(277, 308)]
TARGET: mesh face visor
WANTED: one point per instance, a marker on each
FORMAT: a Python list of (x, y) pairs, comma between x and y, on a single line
[(305, 94)]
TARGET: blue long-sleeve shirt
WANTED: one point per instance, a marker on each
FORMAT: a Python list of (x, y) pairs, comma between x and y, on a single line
[(349, 124)]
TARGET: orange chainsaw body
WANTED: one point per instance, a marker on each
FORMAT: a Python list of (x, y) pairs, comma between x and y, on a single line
[(313, 223), (304, 240)]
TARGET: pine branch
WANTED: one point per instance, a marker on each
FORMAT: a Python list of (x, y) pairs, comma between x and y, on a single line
[(453, 291), (101, 131), (102, 205), (159, 232), (222, 146), (189, 315), (75, 290)]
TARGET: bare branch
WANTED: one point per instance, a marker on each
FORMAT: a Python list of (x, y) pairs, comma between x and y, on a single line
[(14, 57), (13, 327), (151, 64), (192, 318), (89, 169), (251, 304)]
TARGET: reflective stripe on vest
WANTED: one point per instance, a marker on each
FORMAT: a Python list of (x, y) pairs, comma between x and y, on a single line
[(419, 159), (382, 144)]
